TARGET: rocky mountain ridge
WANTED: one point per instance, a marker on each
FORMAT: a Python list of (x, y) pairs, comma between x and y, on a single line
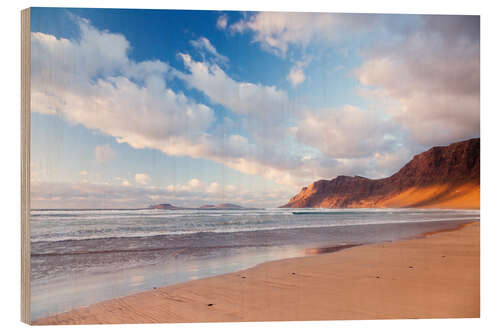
[(441, 177)]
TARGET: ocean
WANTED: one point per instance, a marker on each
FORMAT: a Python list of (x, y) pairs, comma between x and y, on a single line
[(80, 257)]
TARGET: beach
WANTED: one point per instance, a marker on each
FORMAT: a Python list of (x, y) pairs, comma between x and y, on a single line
[(82, 257), (433, 276)]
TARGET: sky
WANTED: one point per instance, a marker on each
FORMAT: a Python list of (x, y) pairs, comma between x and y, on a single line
[(136, 107)]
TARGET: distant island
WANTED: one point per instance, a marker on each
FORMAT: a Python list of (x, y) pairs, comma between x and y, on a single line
[(165, 206), (441, 177), (223, 206)]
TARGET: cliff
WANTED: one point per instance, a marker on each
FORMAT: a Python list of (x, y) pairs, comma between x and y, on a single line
[(441, 177)]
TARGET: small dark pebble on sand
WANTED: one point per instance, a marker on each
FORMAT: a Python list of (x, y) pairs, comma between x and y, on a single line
[(293, 273), (243, 277), (378, 277), (410, 267), (211, 304)]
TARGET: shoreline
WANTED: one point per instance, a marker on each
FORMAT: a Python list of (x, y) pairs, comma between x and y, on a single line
[(218, 298)]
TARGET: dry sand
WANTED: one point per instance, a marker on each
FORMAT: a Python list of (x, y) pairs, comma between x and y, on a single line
[(432, 277)]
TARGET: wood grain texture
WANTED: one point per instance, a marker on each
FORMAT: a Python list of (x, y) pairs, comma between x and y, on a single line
[(25, 163)]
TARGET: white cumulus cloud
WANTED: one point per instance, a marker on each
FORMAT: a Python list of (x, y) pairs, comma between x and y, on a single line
[(277, 32), (296, 76), (142, 178), (349, 132), (203, 44), (433, 77), (91, 81), (222, 22)]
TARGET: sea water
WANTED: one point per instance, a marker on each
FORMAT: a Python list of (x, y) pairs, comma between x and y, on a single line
[(80, 257)]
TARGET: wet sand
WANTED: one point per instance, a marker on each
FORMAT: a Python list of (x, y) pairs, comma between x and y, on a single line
[(436, 276)]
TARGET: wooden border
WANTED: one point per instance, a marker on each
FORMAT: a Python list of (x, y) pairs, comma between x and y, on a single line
[(25, 164)]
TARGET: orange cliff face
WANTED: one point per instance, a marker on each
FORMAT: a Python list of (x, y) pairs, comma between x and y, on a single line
[(442, 177)]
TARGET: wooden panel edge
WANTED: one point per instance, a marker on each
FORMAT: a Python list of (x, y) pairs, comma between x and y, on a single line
[(25, 164)]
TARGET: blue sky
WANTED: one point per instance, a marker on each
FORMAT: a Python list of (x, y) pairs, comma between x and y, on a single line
[(133, 107)]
